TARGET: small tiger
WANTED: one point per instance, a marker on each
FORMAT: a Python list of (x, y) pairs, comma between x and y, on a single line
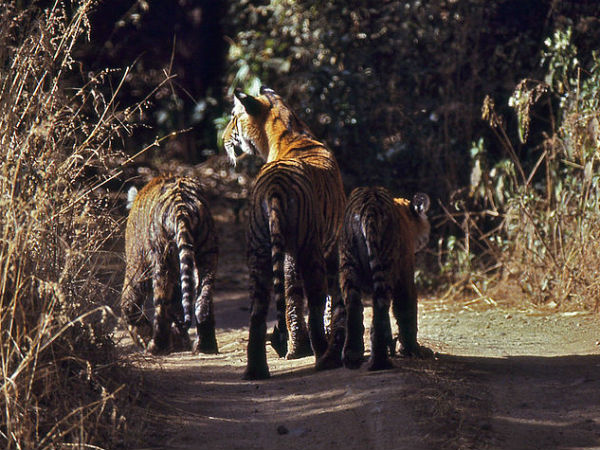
[(378, 242), (171, 254), (296, 209)]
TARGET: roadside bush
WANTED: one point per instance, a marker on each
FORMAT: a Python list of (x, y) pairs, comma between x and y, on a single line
[(546, 207), (393, 87)]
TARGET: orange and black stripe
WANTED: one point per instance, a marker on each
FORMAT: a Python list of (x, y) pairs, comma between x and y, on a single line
[(171, 245), (379, 238), (296, 210)]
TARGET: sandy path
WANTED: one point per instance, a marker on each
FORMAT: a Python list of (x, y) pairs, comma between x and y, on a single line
[(503, 379), (540, 373)]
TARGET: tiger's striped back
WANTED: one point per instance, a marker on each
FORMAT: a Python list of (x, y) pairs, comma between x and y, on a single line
[(171, 248), (296, 210), (383, 233), (379, 239), (275, 134)]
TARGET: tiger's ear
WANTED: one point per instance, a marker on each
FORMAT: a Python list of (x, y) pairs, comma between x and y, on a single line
[(420, 203), (250, 104), (266, 90)]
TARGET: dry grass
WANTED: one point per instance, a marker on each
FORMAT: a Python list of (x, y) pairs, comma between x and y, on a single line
[(550, 215), (58, 364), (546, 213)]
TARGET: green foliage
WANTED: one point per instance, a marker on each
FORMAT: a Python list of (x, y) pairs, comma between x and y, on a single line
[(560, 58), (392, 87), (395, 88), (548, 207)]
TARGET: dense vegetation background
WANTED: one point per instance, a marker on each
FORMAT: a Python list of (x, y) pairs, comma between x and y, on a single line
[(490, 107), (409, 94)]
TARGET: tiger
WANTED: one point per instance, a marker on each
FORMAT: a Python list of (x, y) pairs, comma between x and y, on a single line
[(295, 212), (171, 254), (378, 241)]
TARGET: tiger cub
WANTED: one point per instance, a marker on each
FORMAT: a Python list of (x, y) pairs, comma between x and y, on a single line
[(296, 209), (171, 254), (378, 242)]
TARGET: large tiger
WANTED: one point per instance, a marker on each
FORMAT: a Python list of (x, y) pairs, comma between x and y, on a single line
[(378, 242), (296, 210), (171, 256)]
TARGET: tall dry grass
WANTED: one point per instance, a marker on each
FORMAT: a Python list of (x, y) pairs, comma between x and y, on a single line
[(544, 196), (60, 383)]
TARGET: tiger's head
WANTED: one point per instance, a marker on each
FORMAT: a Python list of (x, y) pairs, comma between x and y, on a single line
[(418, 207), (258, 124)]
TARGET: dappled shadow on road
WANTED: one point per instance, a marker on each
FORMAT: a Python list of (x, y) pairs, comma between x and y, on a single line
[(537, 402), (413, 406), (451, 402)]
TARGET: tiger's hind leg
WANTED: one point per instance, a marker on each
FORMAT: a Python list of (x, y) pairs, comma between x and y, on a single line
[(354, 345), (206, 341), (312, 269), (299, 340), (337, 315), (135, 291), (380, 328), (179, 340), (279, 337), (162, 289), (381, 333), (260, 296), (404, 307)]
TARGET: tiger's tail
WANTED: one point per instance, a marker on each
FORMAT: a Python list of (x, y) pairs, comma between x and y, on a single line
[(371, 230), (280, 335), (187, 263), (382, 295)]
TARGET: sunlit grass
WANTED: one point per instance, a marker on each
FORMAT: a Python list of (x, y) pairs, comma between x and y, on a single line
[(62, 385)]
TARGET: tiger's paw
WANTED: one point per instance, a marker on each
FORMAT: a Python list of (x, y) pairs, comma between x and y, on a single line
[(141, 334), (352, 359), (156, 350), (417, 351), (300, 351), (380, 364), (256, 373), (206, 345), (279, 342), (328, 361)]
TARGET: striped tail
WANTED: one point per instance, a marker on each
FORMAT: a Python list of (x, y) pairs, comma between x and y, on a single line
[(187, 264), (280, 335), (382, 294), (371, 229)]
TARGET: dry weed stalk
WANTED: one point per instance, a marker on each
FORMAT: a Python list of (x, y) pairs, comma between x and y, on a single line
[(546, 213), (58, 384)]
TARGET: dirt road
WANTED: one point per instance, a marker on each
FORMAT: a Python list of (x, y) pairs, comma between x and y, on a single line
[(502, 379)]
